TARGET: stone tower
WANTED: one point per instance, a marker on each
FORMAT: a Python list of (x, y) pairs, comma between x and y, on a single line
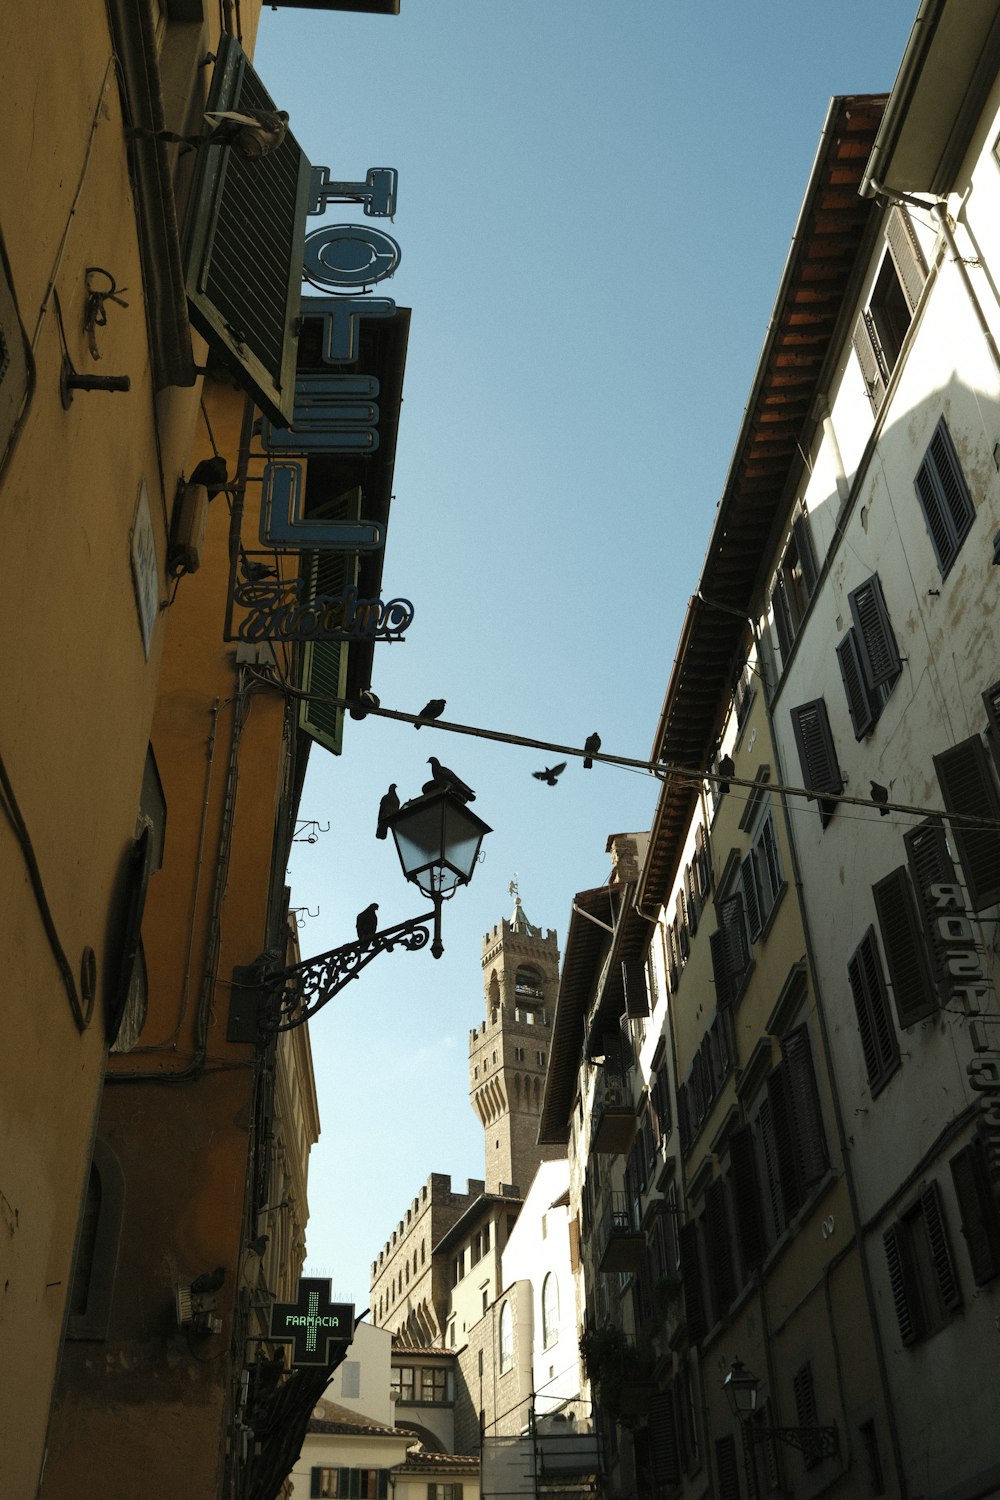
[(509, 1051)]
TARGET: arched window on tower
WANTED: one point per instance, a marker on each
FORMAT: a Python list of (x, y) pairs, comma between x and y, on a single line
[(529, 996), (506, 1339), (550, 1310)]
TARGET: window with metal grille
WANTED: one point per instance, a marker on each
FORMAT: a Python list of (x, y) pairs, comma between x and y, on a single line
[(925, 1287), (885, 320), (879, 1043), (868, 656), (944, 498)]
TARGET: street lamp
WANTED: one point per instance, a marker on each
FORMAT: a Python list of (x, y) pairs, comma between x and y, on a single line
[(742, 1387), (438, 839)]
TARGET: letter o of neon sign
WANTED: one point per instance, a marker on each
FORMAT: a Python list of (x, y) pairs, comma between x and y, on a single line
[(349, 255)]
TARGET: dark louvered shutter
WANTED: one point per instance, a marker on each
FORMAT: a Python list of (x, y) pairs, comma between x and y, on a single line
[(746, 1199), (243, 245), (694, 1297), (804, 1392), (810, 1138), (969, 790), (636, 992), (324, 663), (991, 702), (730, 953), (897, 1255), (748, 875), (930, 864), (937, 1235), (876, 641), (782, 618), (683, 1117), (817, 755), (315, 1482), (944, 497), (909, 971), (718, 1248), (871, 1002), (852, 672), (783, 1126), (980, 1212), (727, 1468), (866, 347), (663, 1439), (693, 900), (383, 1484), (802, 532)]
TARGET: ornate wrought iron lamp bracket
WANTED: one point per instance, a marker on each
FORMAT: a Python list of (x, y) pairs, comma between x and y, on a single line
[(813, 1442), (289, 997)]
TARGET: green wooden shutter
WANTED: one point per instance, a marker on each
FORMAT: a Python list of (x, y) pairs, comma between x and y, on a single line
[(817, 754), (937, 1235), (663, 1439), (904, 1297), (871, 1002), (809, 1136), (718, 1247), (969, 790), (746, 1199), (912, 984), (243, 245), (859, 704), (694, 1300), (324, 663), (315, 1481), (980, 1212), (876, 641), (930, 864)]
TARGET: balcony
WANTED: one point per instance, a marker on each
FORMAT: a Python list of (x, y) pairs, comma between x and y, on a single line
[(621, 1244), (613, 1121)]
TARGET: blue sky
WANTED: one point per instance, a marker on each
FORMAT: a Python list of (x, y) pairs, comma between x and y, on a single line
[(596, 199)]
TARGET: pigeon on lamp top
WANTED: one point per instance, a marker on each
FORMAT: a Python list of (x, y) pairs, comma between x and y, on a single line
[(442, 776), (386, 808), (212, 473), (367, 924), (550, 774), (591, 745), (432, 710)]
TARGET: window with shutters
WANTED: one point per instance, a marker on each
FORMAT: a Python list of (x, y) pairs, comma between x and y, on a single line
[(969, 789), (663, 1439), (349, 1484), (730, 948), (745, 1194), (727, 1467), (719, 1248), (925, 1287), (979, 1210), (743, 695), (794, 585), (791, 1156), (804, 1393), (869, 660), (817, 755), (761, 878), (930, 862), (323, 669), (883, 324), (438, 1491), (944, 498), (906, 955), (695, 1315), (879, 1043)]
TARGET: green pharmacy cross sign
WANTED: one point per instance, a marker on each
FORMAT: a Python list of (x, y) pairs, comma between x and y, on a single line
[(312, 1323)]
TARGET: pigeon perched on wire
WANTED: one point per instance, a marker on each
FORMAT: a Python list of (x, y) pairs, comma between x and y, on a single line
[(212, 473), (255, 572), (726, 768), (367, 924), (591, 745), (432, 710), (880, 796), (365, 700), (386, 808), (551, 773), (442, 776), (253, 133)]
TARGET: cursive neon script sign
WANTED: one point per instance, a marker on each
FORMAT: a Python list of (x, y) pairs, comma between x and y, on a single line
[(285, 610)]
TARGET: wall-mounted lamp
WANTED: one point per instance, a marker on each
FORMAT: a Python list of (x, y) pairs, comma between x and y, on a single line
[(437, 838), (742, 1389)]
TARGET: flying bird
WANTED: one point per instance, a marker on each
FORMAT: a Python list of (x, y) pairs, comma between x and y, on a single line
[(591, 744), (880, 796), (442, 776), (367, 924), (386, 808), (432, 710), (550, 774), (253, 133), (212, 473), (208, 1281)]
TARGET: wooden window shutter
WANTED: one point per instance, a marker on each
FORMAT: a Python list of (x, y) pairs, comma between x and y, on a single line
[(979, 1210), (315, 1479), (746, 1199), (937, 1234), (718, 1248), (804, 1393), (944, 496), (876, 641), (693, 902), (769, 1152), (969, 790), (730, 954), (636, 991), (243, 245), (694, 1298), (869, 358), (817, 755), (812, 1159), (663, 1439), (871, 1002), (683, 1118), (324, 663), (930, 864), (748, 872), (724, 988), (383, 1484), (782, 618), (783, 1127), (991, 702), (802, 532), (907, 256), (727, 1467), (852, 672), (909, 972), (901, 1281)]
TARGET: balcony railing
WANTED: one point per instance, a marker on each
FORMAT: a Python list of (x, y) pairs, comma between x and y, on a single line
[(613, 1122), (621, 1243)]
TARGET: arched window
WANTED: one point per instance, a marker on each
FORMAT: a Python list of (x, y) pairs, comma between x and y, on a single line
[(506, 1339), (550, 1310)]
